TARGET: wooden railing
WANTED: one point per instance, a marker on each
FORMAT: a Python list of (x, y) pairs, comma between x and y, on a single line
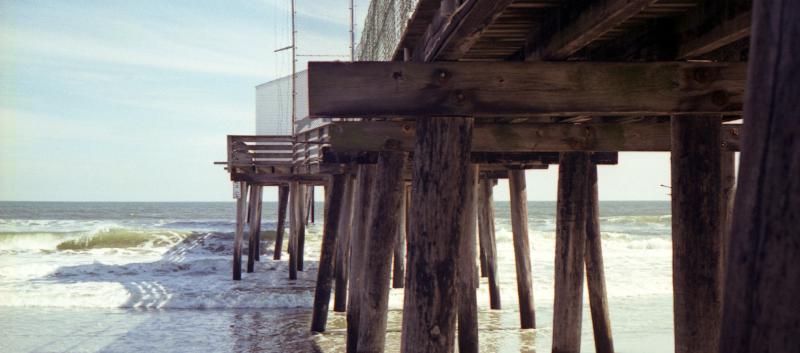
[(254, 151)]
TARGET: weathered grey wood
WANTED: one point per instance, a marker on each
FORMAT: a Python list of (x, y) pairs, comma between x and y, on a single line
[(487, 239), (459, 28), (358, 238), (399, 256), (301, 234), (436, 223), (484, 271), (507, 89), (728, 175), (696, 233), (725, 33), (589, 26), (297, 226), (570, 246), (283, 200), (522, 248), (762, 283), (252, 248), (241, 214), (387, 202), (343, 247), (257, 222), (334, 201), (595, 273), (466, 281), (507, 138)]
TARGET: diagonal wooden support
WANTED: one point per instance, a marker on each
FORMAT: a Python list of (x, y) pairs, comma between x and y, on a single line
[(322, 294), (523, 89)]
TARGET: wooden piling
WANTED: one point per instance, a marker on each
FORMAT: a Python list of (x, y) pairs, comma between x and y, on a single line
[(762, 285), (241, 214), (570, 246), (301, 234), (487, 239), (252, 248), (257, 222), (343, 246), (728, 175), (361, 223), (334, 201), (696, 232), (467, 274), (386, 204), (522, 249), (595, 273), (437, 222), (482, 261), (297, 226), (283, 200), (399, 256)]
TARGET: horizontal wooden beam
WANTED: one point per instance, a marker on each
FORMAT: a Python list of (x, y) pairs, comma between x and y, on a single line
[(510, 138), (523, 89), (725, 33)]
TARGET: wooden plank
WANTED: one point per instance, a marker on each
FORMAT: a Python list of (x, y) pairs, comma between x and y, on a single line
[(241, 214), (570, 247), (283, 200), (522, 248), (762, 282), (467, 279), (487, 239), (343, 247), (334, 201), (595, 273), (524, 89), (387, 201), (696, 233), (592, 23), (436, 223), (346, 137), (361, 223), (725, 33)]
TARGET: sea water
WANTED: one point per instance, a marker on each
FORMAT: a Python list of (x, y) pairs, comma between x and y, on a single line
[(156, 277)]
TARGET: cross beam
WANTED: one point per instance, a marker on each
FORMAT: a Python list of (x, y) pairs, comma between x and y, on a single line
[(508, 138), (523, 89)]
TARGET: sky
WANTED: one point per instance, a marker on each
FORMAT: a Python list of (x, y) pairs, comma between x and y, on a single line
[(131, 100)]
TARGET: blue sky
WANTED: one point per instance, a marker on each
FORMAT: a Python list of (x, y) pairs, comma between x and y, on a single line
[(131, 100)]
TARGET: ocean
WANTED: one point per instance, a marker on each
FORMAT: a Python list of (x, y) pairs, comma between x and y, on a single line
[(155, 277)]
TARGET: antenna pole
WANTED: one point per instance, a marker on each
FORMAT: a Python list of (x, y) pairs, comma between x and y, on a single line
[(294, 72), (352, 32)]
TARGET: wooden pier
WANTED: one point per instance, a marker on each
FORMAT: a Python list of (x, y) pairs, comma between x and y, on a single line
[(478, 90)]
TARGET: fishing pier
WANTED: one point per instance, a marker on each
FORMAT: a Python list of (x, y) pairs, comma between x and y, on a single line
[(447, 96)]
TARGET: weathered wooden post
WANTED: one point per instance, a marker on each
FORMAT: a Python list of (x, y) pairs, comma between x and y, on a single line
[(467, 297), (570, 245), (440, 187), (595, 273), (522, 249), (399, 256), (301, 235), (255, 220), (343, 246), (334, 201), (241, 213), (762, 285), (297, 227), (361, 219), (728, 175), (696, 232), (386, 204), (283, 200), (487, 239)]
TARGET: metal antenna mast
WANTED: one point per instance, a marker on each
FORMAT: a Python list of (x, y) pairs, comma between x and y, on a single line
[(352, 32), (294, 72)]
